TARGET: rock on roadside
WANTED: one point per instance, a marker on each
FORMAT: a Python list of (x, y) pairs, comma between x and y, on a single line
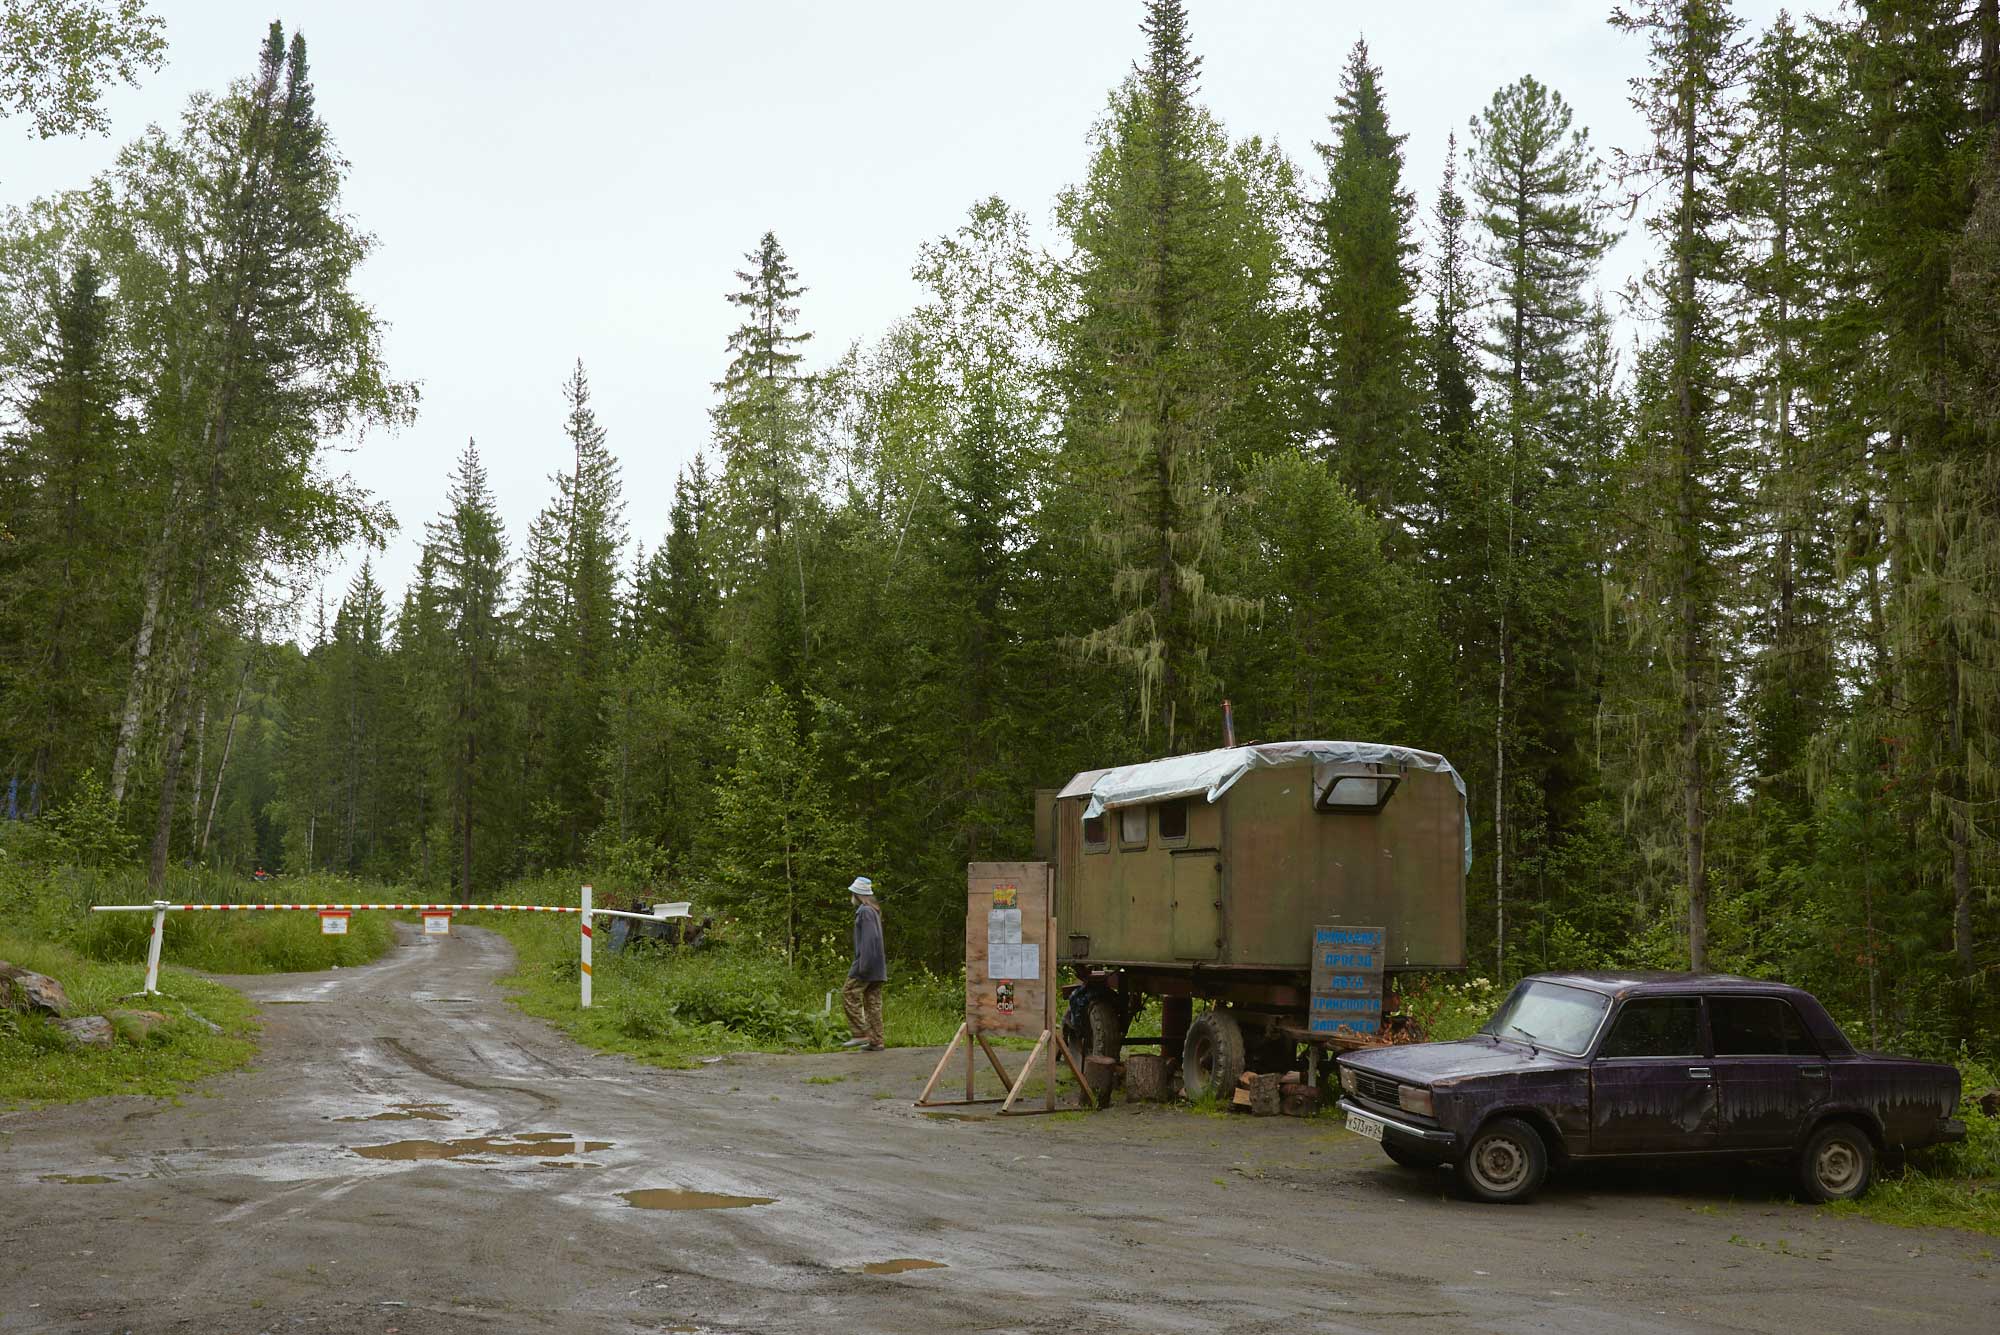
[(135, 1026), (21, 990), (86, 1031)]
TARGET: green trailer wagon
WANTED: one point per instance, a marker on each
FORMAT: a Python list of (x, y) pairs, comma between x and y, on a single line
[(1203, 877)]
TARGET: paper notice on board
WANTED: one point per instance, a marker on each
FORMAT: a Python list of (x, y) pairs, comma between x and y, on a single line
[(1013, 961)]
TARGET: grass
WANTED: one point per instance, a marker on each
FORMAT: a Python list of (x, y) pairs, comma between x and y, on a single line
[(37, 1067), (100, 959), (1951, 1186), (672, 1008), (53, 904)]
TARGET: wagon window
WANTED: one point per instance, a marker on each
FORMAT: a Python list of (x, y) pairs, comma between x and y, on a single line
[(1656, 1027), (1173, 821), (1758, 1027), (1132, 827), (1095, 837)]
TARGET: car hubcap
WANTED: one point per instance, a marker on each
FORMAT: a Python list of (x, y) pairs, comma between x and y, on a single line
[(1839, 1166), (1499, 1164)]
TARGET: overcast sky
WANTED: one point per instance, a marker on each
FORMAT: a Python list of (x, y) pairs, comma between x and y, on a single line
[(554, 181)]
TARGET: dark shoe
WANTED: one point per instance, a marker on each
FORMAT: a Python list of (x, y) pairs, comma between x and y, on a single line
[(876, 1047)]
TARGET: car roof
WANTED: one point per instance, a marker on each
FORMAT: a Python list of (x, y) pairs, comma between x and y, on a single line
[(1614, 982)]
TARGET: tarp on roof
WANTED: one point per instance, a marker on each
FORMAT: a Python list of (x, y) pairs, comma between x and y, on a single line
[(1210, 774)]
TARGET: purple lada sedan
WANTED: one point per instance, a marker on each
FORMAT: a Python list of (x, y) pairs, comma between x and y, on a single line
[(1586, 1066)]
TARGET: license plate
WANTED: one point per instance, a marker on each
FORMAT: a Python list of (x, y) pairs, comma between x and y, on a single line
[(1363, 1125)]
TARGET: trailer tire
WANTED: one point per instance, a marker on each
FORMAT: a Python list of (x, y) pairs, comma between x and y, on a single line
[(1104, 1032), (1212, 1057)]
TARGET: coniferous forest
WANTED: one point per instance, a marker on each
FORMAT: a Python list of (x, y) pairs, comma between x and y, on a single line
[(1695, 579)]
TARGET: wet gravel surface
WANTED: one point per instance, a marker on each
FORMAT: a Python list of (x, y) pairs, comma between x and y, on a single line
[(411, 1156)]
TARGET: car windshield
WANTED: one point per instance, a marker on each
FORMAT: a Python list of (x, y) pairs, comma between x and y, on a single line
[(1549, 1015)]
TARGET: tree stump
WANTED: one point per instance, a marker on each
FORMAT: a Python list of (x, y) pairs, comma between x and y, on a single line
[(1101, 1074), (1259, 1094), (1146, 1078)]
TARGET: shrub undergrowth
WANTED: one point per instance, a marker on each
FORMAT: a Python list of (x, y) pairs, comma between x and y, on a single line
[(671, 1006)]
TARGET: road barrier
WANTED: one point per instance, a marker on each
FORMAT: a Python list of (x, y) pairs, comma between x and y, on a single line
[(160, 908)]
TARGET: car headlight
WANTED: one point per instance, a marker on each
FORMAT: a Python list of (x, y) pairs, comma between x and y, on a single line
[(1412, 1098), (1347, 1080)]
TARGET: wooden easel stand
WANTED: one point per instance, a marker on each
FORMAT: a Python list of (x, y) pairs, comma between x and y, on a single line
[(1051, 1042)]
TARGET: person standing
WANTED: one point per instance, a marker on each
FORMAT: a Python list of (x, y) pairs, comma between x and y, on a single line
[(862, 996)]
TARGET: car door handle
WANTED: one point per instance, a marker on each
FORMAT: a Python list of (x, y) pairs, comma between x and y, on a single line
[(1700, 1073), (1813, 1072)]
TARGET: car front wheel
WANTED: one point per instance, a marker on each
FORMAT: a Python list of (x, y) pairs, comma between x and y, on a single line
[(1504, 1164), (1838, 1163)]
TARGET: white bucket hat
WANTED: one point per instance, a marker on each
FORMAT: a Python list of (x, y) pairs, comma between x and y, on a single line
[(862, 886)]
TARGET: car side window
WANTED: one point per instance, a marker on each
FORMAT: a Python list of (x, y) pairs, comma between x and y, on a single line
[(1758, 1027), (1655, 1027)]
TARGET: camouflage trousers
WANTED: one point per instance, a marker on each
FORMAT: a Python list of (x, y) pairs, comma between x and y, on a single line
[(863, 1002)]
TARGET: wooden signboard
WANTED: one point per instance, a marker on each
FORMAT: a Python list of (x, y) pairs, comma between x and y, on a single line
[(1346, 981), (1010, 978)]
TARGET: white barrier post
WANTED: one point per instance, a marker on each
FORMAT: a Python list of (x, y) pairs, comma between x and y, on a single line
[(585, 974), (153, 947)]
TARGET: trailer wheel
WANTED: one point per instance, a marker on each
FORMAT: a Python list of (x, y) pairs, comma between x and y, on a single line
[(1212, 1057), (1104, 1032)]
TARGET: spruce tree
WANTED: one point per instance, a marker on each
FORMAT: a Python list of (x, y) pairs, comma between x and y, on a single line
[(763, 432), (1175, 289), (472, 564), (1690, 102), (64, 471), (1515, 516), (1364, 339)]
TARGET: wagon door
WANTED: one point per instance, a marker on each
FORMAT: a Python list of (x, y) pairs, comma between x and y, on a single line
[(1197, 903)]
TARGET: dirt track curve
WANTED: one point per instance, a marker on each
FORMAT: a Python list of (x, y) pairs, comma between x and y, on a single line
[(309, 1195)]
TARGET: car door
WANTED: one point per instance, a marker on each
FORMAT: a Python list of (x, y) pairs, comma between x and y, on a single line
[(1769, 1073), (1652, 1087)]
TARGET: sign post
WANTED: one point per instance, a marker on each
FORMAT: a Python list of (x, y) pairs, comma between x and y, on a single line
[(153, 947), (1010, 981), (585, 964)]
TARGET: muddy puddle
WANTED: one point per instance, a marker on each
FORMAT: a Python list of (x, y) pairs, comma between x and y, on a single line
[(666, 1198), (406, 1112), (957, 1117), (77, 1179), (528, 1145), (900, 1265)]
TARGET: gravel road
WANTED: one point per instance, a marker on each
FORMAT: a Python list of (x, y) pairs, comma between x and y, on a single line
[(412, 1156)]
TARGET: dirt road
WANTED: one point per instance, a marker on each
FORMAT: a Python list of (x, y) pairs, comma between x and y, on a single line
[(410, 1156)]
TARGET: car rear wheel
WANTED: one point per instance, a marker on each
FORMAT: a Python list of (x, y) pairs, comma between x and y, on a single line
[(1212, 1057), (1838, 1163), (1504, 1164)]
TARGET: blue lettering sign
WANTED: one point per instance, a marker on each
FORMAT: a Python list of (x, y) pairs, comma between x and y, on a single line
[(1330, 1025), (1370, 937), (1336, 959)]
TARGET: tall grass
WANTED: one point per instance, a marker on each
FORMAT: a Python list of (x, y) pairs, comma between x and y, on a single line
[(733, 995), (53, 904)]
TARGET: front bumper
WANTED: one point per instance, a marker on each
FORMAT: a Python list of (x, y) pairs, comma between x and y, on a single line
[(1433, 1137)]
